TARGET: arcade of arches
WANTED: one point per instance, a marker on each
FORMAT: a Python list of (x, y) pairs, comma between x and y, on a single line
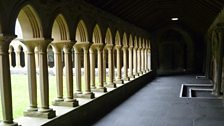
[(62, 39), (95, 56)]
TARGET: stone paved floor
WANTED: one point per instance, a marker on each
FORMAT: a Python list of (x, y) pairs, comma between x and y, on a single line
[(158, 104)]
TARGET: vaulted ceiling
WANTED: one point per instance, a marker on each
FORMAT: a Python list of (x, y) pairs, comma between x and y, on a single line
[(194, 15)]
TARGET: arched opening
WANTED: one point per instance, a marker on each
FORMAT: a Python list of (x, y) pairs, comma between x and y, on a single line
[(62, 48), (95, 62), (108, 41), (130, 56), (82, 39), (124, 58), (81, 32), (27, 27), (173, 53), (118, 58)]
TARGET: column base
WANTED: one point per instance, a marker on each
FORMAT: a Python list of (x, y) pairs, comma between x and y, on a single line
[(140, 73), (85, 95), (72, 103), (131, 76), (136, 75), (110, 85), (119, 82), (9, 124), (101, 89), (216, 93), (126, 79), (93, 87), (48, 113), (32, 109)]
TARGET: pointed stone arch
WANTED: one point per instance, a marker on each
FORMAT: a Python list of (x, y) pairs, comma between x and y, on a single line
[(143, 43), (130, 41), (60, 29), (124, 41), (135, 42), (30, 23), (140, 42), (108, 38), (97, 36), (81, 32), (117, 38)]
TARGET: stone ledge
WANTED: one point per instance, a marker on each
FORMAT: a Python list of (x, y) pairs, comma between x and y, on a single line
[(95, 109), (66, 103), (48, 114), (85, 95)]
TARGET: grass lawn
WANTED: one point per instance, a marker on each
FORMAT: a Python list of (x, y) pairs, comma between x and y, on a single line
[(20, 92)]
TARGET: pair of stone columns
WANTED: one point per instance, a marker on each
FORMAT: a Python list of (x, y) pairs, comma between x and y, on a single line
[(109, 49), (97, 47), (82, 47), (69, 100), (43, 110)]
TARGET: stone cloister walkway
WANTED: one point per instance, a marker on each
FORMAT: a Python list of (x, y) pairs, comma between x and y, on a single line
[(158, 104)]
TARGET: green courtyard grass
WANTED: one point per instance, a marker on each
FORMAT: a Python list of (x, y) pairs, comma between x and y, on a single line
[(20, 94)]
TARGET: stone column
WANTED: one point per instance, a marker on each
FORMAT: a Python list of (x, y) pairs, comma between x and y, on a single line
[(146, 60), (100, 87), (57, 47), (5, 82), (31, 70), (119, 80), (92, 68), (143, 60), (18, 61), (219, 59), (77, 70), (44, 82), (37, 56), (139, 61), (130, 54), (69, 75), (125, 58), (104, 66), (87, 91), (111, 67), (149, 59), (135, 62)]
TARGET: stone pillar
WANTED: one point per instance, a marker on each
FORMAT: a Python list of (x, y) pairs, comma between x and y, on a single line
[(104, 66), (135, 62), (130, 54), (111, 67), (139, 59), (119, 80), (57, 47), (100, 87), (143, 60), (146, 60), (5, 82), (77, 70), (219, 59), (70, 101), (92, 68), (125, 58), (44, 82), (31, 70), (149, 59), (37, 56), (87, 91), (18, 61)]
